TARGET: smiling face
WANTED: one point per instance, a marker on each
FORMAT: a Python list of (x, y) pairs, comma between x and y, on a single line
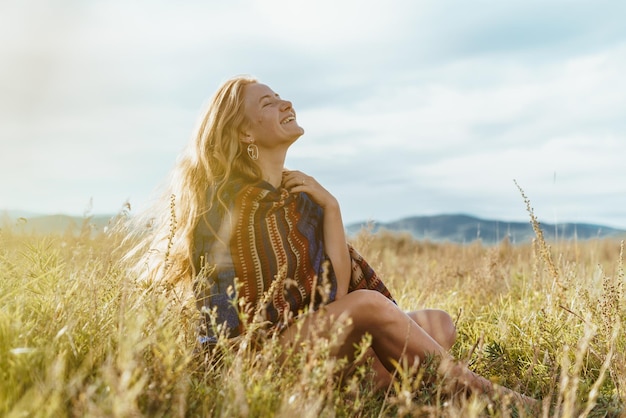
[(270, 120)]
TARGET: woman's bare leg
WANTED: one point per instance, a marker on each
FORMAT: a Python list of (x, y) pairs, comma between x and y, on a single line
[(395, 335), (437, 323)]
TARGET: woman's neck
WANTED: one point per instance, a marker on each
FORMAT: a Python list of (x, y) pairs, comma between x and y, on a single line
[(272, 169)]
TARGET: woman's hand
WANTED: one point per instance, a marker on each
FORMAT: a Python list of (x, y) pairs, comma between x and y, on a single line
[(297, 181)]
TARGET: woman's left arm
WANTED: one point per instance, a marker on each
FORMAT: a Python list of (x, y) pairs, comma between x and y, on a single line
[(335, 243)]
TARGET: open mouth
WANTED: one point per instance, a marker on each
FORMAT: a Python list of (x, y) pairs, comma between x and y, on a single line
[(288, 119)]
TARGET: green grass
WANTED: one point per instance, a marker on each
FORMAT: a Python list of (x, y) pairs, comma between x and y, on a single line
[(79, 337)]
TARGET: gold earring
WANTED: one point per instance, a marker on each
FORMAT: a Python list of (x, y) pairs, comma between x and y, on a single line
[(253, 152)]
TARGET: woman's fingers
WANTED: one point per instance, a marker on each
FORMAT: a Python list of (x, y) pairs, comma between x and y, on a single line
[(297, 181), (292, 179)]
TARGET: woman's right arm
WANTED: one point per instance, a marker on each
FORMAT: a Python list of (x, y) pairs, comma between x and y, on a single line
[(335, 243)]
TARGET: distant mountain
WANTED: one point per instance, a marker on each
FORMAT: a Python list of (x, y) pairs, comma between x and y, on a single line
[(465, 229), (45, 224), (439, 228)]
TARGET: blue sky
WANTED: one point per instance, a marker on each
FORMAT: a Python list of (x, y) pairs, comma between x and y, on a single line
[(409, 107)]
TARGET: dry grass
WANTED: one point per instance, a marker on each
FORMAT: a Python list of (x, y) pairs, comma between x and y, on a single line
[(78, 336)]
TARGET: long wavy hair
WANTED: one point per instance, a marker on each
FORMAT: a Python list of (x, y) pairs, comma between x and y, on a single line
[(196, 183)]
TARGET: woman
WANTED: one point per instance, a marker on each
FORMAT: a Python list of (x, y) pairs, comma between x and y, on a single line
[(257, 240)]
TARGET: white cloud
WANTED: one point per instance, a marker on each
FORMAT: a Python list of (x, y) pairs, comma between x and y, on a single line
[(429, 106)]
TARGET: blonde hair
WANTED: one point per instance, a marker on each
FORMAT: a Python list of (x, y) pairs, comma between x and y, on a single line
[(196, 183)]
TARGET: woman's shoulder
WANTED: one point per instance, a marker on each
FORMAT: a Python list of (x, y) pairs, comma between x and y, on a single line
[(226, 191)]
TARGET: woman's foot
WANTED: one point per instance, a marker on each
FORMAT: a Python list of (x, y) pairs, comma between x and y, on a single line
[(461, 379)]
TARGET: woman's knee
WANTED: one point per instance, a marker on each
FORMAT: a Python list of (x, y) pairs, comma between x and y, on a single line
[(448, 328), (370, 308), (438, 324)]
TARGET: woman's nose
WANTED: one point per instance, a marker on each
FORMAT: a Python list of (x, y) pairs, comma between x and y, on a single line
[(286, 104)]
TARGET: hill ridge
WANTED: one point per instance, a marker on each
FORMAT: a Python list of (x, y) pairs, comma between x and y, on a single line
[(459, 227), (464, 228)]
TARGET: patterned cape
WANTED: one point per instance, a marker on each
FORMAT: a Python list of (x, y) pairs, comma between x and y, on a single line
[(264, 259)]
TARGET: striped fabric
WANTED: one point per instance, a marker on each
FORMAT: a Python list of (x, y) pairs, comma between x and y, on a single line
[(265, 260)]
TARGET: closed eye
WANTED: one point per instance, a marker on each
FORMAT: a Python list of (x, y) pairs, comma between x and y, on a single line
[(269, 100)]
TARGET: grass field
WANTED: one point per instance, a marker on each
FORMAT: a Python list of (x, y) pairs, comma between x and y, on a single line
[(79, 337)]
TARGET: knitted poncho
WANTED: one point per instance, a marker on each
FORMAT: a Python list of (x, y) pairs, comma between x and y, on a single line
[(267, 250)]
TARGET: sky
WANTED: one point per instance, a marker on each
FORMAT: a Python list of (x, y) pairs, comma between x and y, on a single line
[(410, 107)]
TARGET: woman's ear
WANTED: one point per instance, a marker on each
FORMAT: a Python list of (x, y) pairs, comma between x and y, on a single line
[(245, 137)]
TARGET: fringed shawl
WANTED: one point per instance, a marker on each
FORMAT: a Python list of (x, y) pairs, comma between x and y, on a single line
[(267, 250)]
